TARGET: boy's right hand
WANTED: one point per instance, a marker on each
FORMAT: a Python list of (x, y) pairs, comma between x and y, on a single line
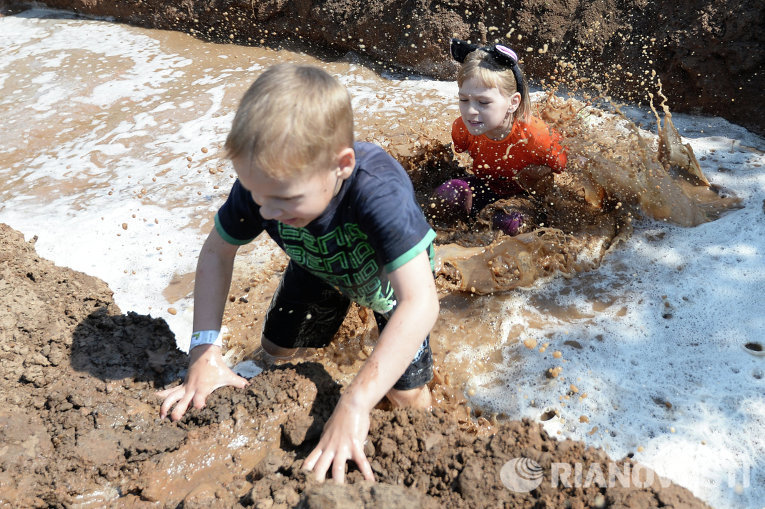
[(207, 372)]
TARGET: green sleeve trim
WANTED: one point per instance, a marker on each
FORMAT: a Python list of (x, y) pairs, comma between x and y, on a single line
[(228, 238), (414, 251)]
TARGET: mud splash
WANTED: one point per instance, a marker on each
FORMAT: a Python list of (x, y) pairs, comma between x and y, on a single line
[(615, 174)]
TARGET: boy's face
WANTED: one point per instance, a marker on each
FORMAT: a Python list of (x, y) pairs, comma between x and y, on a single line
[(298, 200), (485, 110)]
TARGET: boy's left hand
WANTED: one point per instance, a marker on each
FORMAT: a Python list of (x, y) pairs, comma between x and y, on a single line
[(342, 440)]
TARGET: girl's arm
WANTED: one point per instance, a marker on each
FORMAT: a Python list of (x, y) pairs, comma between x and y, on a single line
[(548, 141)]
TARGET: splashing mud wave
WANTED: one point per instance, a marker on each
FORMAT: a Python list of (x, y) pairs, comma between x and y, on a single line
[(615, 173)]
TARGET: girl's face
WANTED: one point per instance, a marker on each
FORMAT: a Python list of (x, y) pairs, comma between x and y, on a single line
[(485, 110)]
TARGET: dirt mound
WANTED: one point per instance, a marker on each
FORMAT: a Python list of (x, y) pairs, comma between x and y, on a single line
[(709, 55), (79, 424)]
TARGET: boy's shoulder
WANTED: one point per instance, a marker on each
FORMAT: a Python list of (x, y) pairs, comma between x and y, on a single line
[(378, 183), (370, 156), (376, 167)]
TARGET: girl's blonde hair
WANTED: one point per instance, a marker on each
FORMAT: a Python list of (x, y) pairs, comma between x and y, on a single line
[(293, 119), (480, 64)]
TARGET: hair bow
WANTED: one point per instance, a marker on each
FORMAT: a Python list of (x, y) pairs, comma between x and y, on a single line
[(502, 55)]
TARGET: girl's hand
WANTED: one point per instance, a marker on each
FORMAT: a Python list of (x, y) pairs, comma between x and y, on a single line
[(342, 440), (207, 372)]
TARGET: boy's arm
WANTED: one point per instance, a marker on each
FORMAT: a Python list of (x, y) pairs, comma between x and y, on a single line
[(346, 430), (207, 371)]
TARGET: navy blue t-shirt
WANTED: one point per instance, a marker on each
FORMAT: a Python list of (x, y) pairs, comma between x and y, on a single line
[(370, 228)]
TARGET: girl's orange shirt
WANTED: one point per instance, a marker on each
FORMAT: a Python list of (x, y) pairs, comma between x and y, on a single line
[(498, 161)]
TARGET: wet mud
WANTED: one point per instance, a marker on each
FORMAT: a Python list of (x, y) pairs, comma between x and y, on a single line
[(79, 423), (708, 54)]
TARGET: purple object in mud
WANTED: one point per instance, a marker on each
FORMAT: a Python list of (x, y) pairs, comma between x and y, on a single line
[(509, 223)]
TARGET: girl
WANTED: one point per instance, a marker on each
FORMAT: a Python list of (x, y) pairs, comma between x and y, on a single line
[(511, 150)]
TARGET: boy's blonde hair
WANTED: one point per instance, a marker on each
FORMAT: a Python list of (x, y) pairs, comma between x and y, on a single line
[(480, 64), (292, 119)]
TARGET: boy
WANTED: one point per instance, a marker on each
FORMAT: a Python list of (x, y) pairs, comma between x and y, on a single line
[(346, 215)]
